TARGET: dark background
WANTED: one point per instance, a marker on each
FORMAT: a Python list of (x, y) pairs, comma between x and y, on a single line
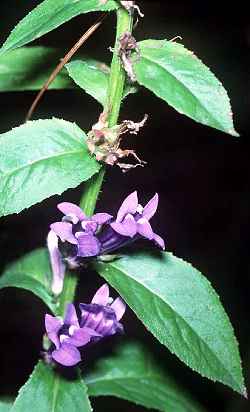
[(201, 175)]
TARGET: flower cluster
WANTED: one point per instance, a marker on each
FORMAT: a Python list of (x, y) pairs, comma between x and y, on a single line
[(97, 320), (78, 237)]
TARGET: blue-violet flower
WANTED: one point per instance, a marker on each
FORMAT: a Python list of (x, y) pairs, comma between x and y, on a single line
[(97, 320), (78, 237)]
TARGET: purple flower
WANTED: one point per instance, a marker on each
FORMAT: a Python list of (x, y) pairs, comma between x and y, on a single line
[(79, 230), (75, 233), (103, 314), (98, 319), (132, 221), (66, 336), (77, 237)]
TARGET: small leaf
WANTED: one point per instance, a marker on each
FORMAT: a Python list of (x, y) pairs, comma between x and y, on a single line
[(5, 404), (28, 68), (52, 392), (40, 159), (132, 374), (93, 77), (177, 76), (49, 15), (179, 306), (32, 272)]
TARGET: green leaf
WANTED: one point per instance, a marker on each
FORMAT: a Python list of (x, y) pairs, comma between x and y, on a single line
[(93, 77), (179, 306), (47, 16), (40, 159), (34, 264), (5, 404), (177, 76), (23, 281), (32, 272), (133, 374), (28, 68), (52, 392)]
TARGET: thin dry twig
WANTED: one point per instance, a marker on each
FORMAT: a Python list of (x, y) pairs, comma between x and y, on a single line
[(63, 61)]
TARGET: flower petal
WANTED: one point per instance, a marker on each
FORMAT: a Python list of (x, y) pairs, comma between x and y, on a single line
[(92, 315), (57, 265), (144, 228), (108, 324), (81, 337), (67, 355), (151, 207), (64, 231), (89, 226), (119, 308), (71, 209), (88, 245), (70, 317), (129, 205), (101, 297), (101, 218), (159, 241), (52, 326), (127, 227)]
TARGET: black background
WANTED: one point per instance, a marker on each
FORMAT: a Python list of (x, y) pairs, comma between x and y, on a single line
[(201, 175)]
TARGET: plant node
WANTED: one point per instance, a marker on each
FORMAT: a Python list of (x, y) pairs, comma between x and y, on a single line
[(104, 142)]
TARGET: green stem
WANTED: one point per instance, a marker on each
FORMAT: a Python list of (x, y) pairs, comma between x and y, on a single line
[(117, 75), (68, 293), (93, 186), (91, 192)]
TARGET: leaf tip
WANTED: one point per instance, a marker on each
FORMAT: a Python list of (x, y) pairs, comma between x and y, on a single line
[(234, 133), (244, 392)]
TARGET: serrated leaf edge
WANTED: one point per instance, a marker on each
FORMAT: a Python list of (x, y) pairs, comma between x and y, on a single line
[(242, 388), (62, 121), (5, 49), (232, 131)]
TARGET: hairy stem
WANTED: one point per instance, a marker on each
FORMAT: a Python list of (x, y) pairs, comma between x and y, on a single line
[(113, 105), (117, 74), (114, 99)]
